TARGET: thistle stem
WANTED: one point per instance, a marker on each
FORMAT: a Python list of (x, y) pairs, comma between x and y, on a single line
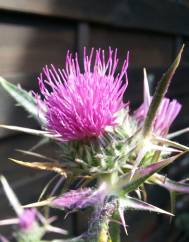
[(160, 92), (103, 235), (115, 229)]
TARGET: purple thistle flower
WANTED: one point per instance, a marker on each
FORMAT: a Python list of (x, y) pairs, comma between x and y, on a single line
[(167, 112), (27, 219), (79, 104)]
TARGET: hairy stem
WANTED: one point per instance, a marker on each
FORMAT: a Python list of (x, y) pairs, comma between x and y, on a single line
[(115, 229)]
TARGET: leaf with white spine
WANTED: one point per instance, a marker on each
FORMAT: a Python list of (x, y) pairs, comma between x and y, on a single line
[(11, 196), (131, 203), (142, 174), (170, 185), (23, 98), (41, 133), (167, 142), (159, 94)]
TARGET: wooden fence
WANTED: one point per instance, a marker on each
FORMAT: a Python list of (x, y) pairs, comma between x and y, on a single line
[(35, 33)]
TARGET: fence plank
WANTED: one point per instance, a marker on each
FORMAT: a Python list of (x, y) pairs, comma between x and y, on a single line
[(146, 49), (166, 16), (24, 50), (27, 48)]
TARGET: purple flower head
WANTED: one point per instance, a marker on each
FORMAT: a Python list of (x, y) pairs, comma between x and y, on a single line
[(167, 112), (80, 104), (27, 219)]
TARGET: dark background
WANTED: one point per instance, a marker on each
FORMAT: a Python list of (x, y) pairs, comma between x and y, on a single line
[(35, 33)]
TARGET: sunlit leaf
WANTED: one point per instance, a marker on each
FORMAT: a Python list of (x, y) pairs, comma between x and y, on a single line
[(24, 98), (159, 94), (29, 131), (46, 166), (11, 196)]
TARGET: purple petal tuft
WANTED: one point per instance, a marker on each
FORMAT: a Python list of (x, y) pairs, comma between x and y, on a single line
[(81, 104), (166, 114)]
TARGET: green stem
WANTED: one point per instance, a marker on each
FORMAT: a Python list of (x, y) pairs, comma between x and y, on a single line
[(115, 229), (160, 93), (103, 235)]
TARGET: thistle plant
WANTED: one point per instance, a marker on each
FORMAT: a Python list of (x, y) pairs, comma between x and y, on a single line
[(109, 150)]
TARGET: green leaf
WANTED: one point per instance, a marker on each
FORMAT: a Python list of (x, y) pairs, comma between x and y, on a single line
[(142, 174), (23, 98), (160, 92)]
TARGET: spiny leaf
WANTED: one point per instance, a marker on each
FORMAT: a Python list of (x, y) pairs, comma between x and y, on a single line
[(138, 160), (11, 196), (169, 184), (24, 98), (142, 174), (56, 230), (29, 131), (122, 217), (9, 221), (149, 146), (170, 143), (42, 141), (46, 188), (39, 204), (136, 204), (178, 133), (160, 93), (34, 154), (146, 90)]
